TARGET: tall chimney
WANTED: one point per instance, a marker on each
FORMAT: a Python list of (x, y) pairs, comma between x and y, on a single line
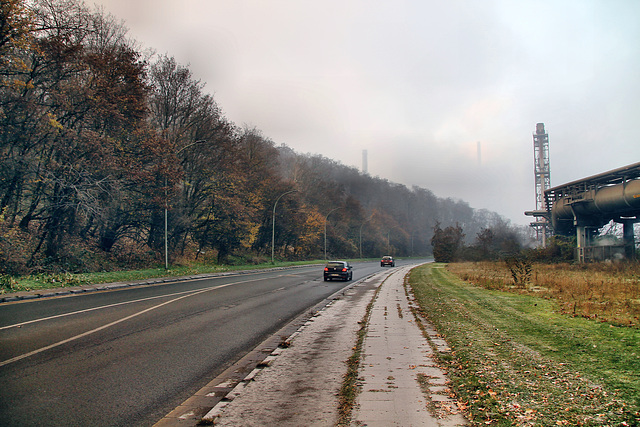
[(365, 166)]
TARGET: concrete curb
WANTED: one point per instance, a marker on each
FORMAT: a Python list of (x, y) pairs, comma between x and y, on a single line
[(72, 290)]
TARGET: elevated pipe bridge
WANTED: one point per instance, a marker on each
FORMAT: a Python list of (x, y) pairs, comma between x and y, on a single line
[(586, 205)]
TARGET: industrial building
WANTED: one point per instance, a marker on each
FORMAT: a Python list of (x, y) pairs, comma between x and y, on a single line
[(583, 207)]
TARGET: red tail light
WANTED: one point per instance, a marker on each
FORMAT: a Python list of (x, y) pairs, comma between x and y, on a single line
[(344, 269), (326, 269)]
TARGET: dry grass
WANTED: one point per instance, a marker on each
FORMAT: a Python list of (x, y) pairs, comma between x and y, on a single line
[(516, 361), (607, 292)]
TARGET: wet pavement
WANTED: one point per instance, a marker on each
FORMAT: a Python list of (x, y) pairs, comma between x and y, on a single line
[(399, 381)]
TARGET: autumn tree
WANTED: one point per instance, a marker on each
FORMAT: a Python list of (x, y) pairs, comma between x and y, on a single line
[(16, 37), (74, 136), (202, 180), (447, 243)]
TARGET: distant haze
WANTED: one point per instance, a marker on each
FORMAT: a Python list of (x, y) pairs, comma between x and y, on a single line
[(420, 85)]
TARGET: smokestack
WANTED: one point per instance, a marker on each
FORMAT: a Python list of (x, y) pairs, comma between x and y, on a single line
[(365, 166)]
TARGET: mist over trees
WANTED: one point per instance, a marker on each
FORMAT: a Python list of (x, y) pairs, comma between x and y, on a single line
[(100, 143)]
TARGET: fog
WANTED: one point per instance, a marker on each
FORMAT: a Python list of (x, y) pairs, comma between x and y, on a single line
[(418, 84)]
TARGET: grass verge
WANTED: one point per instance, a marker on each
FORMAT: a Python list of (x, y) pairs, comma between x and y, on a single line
[(516, 360), (61, 280)]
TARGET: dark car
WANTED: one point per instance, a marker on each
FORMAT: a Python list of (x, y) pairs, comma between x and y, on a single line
[(387, 260), (338, 270)]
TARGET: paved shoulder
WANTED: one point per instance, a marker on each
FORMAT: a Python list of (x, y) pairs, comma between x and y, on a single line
[(300, 386)]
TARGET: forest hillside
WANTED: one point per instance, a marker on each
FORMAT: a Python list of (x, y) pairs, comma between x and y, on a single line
[(107, 154)]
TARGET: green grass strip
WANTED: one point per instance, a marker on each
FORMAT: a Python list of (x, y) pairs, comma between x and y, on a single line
[(349, 389), (58, 280), (516, 361)]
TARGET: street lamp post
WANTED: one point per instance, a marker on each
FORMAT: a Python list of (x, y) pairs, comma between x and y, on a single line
[(273, 224), (388, 238), (325, 231), (370, 218), (388, 232), (166, 213), (416, 233), (412, 231)]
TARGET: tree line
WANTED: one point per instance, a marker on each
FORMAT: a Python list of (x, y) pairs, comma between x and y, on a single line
[(109, 153)]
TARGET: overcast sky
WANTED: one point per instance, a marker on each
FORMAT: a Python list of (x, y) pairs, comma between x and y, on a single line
[(419, 83)]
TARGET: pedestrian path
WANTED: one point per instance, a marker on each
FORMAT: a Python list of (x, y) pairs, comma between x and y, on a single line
[(401, 385)]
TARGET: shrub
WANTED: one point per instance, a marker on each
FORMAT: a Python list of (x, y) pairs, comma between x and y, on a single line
[(558, 249), (15, 247), (7, 283), (520, 268), (447, 243)]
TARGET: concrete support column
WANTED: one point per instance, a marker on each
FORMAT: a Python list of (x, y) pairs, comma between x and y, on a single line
[(581, 237), (629, 239)]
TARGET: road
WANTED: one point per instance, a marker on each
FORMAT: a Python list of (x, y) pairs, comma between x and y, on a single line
[(128, 357)]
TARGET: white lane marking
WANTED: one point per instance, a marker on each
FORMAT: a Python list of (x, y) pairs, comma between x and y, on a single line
[(91, 309), (16, 325), (108, 325)]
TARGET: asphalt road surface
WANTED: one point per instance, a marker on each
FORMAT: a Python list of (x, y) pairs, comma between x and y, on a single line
[(128, 357)]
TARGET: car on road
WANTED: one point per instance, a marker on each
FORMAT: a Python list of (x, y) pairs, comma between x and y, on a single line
[(338, 270), (387, 260)]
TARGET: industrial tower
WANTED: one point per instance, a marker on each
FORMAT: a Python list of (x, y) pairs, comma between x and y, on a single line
[(365, 165), (542, 174)]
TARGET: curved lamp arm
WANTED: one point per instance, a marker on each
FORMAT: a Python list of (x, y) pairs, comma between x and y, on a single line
[(273, 224)]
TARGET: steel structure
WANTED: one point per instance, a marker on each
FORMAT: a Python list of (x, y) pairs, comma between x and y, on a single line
[(586, 205), (542, 173)]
